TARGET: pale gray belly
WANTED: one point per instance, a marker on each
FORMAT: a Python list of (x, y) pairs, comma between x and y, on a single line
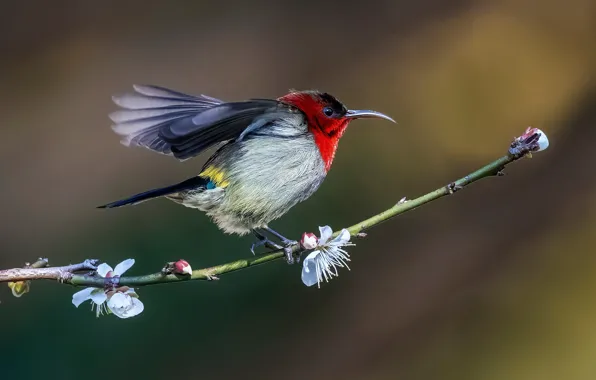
[(266, 178)]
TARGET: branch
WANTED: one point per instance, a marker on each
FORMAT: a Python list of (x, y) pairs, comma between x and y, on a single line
[(36, 271), (532, 140)]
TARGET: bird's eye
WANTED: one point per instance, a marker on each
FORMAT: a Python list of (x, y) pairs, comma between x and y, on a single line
[(328, 111)]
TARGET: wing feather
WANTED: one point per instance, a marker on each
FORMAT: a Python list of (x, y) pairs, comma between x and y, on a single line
[(173, 123)]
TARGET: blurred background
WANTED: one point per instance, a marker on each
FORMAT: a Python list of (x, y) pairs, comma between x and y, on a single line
[(495, 282)]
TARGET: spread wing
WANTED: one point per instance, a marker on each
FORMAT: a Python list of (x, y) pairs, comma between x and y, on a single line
[(182, 125)]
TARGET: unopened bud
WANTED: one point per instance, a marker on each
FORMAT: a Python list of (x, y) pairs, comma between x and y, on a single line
[(19, 288), (542, 140), (309, 240), (182, 267)]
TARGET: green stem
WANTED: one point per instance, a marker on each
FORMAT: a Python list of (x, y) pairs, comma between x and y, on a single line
[(209, 273), (520, 147)]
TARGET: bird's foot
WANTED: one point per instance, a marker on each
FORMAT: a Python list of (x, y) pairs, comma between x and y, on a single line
[(264, 242), (288, 248), (287, 244), (289, 255)]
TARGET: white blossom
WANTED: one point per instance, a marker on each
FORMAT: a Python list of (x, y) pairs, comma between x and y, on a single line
[(123, 302), (322, 263)]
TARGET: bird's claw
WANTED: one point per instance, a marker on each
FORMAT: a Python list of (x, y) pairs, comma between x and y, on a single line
[(287, 244), (291, 257), (256, 244), (266, 243)]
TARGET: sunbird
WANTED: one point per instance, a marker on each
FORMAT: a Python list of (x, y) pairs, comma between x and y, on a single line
[(272, 154)]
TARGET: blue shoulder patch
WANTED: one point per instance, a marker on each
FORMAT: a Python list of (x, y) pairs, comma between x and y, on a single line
[(210, 185)]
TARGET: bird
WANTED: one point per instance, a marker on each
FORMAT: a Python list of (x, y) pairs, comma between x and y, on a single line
[(271, 154)]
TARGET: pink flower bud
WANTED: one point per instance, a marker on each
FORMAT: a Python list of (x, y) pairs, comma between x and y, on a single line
[(182, 267), (309, 240), (542, 140)]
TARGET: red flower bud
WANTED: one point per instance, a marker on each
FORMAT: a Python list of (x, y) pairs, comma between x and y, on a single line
[(182, 267), (309, 240)]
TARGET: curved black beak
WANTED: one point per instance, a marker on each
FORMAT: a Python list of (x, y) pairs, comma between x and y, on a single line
[(361, 114)]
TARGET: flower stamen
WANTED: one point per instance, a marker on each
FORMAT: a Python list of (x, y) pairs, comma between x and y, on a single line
[(323, 263)]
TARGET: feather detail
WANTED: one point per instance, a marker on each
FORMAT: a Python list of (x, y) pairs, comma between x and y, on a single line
[(151, 108), (173, 123), (190, 184)]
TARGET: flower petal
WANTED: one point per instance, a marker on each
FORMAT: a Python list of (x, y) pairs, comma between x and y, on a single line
[(119, 301), (342, 239), (309, 269), (82, 296), (103, 269), (326, 233), (542, 141), (98, 296), (309, 273), (312, 256), (123, 267), (124, 306), (137, 308)]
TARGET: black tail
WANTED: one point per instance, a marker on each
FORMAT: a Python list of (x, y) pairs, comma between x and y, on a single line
[(192, 183)]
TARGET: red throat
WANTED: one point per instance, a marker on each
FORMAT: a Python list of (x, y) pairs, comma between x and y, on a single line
[(327, 144), (326, 131)]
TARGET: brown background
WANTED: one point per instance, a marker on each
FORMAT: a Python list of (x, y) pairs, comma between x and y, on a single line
[(493, 283)]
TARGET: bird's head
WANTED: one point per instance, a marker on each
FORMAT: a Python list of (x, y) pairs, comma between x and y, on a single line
[(327, 118)]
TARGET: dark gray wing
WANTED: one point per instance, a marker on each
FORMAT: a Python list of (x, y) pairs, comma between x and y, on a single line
[(182, 125)]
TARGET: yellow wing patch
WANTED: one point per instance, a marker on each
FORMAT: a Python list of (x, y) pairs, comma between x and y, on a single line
[(215, 175)]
